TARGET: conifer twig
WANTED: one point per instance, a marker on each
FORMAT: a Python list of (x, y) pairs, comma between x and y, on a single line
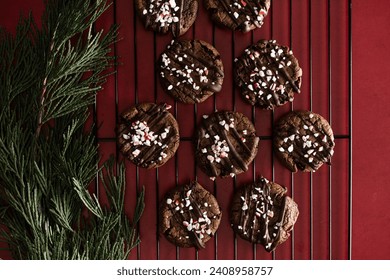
[(48, 157)]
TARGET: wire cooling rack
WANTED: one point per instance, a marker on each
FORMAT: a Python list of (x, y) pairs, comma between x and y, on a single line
[(319, 33)]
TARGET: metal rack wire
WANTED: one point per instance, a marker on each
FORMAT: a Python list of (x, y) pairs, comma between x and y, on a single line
[(343, 138)]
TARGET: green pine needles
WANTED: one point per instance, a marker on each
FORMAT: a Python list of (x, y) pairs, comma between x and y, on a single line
[(49, 77)]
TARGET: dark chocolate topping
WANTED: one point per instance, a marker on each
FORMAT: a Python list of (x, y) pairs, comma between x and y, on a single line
[(165, 15), (146, 137), (224, 150), (268, 74), (191, 68), (176, 30), (260, 222), (306, 138), (193, 215), (244, 15)]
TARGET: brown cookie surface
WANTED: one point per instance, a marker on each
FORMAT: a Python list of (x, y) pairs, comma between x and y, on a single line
[(268, 74), (163, 16), (303, 140), (190, 70), (226, 143), (148, 135), (262, 213), (190, 216), (243, 15)]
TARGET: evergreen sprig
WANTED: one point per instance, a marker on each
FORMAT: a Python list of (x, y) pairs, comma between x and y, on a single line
[(49, 77)]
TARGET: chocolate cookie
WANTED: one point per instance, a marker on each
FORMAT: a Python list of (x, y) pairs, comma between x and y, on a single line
[(303, 141), (262, 213), (190, 216), (243, 15), (268, 74), (191, 70), (226, 143), (148, 135), (163, 16)]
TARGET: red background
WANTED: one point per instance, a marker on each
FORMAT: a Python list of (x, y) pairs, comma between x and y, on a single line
[(344, 208)]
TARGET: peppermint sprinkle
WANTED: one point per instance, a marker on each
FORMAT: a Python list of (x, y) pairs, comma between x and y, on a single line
[(192, 77), (165, 13), (136, 152), (140, 135), (219, 150)]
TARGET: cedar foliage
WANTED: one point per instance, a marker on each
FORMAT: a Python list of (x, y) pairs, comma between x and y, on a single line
[(49, 77)]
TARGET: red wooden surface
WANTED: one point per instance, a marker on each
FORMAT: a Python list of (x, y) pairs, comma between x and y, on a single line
[(329, 226)]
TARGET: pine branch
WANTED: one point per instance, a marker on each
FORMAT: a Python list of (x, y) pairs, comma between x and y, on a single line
[(48, 158), (73, 60), (91, 202)]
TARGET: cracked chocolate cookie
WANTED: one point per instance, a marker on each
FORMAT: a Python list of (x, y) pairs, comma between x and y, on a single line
[(243, 15), (303, 140), (268, 74), (162, 16), (190, 216), (148, 135), (191, 70), (262, 213), (226, 143)]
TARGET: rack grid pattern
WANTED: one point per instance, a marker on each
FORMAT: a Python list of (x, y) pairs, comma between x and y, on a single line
[(319, 33)]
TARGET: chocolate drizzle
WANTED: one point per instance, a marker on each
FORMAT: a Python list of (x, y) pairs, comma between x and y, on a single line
[(191, 213), (222, 148), (260, 222), (228, 11), (268, 74), (176, 28), (244, 14), (193, 68), (165, 15), (146, 136), (305, 139)]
